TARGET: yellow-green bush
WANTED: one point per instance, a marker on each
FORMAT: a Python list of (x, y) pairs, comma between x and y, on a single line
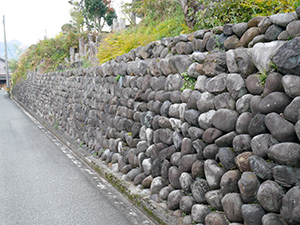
[(47, 54), (163, 18)]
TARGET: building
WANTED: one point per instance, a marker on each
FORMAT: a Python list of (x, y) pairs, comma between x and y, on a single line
[(2, 71)]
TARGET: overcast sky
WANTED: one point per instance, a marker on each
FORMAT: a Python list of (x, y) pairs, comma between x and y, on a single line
[(29, 21)]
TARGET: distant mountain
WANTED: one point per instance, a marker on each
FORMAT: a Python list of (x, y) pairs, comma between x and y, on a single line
[(14, 48)]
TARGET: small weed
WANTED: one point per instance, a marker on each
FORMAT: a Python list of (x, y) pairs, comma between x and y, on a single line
[(81, 144), (118, 77), (262, 78), (189, 82), (55, 125)]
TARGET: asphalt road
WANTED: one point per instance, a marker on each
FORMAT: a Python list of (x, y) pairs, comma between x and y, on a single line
[(43, 182)]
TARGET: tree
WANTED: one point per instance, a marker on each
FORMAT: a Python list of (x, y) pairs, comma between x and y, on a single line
[(95, 13)]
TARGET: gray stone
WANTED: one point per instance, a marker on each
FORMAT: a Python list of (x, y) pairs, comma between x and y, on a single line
[(257, 125), (186, 147), (166, 153), (175, 97), (272, 32), (264, 24), (298, 12), (213, 173), (185, 95), (248, 36), (133, 173), (174, 175), (252, 214), (214, 63), (232, 205), (226, 140), (199, 188), (186, 162), (156, 185), (186, 181), (227, 29), (243, 122), (239, 29), (286, 176), (258, 39), (254, 85), (225, 119), (186, 203), (226, 157), (248, 185), (217, 84), (242, 143), (231, 62), (281, 129), (243, 103), (192, 101), (177, 140), (211, 134), (261, 167), (232, 42), (164, 192), (273, 83), (146, 183), (297, 129), (291, 206), (272, 219), (205, 119), (262, 53), (156, 167), (198, 169), (293, 29), (292, 111), (195, 133), (270, 196), (224, 101), (235, 85), (181, 62), (287, 58), (205, 102), (291, 85), (244, 62), (163, 135), (175, 158), (229, 182), (199, 146), (191, 116), (199, 56), (214, 199), (201, 83), (287, 153), (215, 218), (199, 212), (174, 199), (210, 151), (274, 102), (242, 161), (254, 104), (283, 19)]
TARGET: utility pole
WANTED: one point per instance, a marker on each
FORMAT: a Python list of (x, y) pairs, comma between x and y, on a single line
[(6, 60)]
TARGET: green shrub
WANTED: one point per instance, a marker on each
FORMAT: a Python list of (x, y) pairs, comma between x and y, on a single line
[(220, 12)]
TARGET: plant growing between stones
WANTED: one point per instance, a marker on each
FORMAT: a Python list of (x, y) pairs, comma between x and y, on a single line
[(262, 78), (189, 82), (118, 77)]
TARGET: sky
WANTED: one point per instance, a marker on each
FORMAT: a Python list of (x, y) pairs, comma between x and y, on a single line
[(29, 21)]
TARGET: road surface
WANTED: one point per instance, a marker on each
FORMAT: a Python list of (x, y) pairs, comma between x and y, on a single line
[(43, 182)]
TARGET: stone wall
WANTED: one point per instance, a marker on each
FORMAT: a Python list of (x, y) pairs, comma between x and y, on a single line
[(225, 152)]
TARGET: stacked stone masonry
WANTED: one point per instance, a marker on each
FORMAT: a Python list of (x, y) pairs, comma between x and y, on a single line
[(225, 152)]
